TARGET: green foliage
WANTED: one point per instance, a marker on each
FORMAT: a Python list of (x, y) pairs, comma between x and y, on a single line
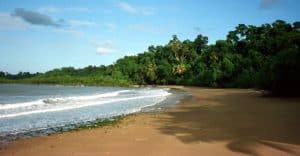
[(265, 57)]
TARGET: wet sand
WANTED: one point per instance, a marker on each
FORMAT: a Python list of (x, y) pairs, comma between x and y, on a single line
[(214, 122)]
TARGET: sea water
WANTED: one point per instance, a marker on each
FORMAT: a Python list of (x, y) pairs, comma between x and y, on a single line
[(32, 108)]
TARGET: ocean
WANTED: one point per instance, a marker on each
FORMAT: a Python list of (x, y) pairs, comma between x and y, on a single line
[(28, 110)]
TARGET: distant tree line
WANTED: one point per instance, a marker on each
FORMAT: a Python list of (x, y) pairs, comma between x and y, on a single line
[(20, 75), (265, 57)]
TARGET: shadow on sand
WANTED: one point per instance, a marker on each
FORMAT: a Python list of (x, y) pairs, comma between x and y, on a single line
[(243, 117)]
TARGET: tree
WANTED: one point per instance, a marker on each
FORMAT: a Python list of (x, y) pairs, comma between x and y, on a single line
[(265, 57)]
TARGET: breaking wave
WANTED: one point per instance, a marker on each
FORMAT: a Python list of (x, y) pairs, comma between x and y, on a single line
[(75, 102)]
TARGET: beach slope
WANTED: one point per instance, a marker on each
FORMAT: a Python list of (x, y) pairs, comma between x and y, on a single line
[(211, 122)]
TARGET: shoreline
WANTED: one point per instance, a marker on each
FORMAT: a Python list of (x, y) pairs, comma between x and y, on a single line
[(212, 122), (175, 97)]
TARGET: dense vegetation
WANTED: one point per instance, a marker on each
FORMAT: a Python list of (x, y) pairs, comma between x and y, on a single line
[(265, 57)]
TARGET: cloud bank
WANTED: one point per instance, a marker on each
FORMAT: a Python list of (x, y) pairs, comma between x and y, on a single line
[(36, 18)]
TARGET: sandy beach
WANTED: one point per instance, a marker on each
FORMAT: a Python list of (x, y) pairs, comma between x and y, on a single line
[(213, 122)]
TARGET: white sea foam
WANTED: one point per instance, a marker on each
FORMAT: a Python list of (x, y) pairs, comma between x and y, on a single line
[(90, 97), (23, 104), (67, 103), (56, 100)]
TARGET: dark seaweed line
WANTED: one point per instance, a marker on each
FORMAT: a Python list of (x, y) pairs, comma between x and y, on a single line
[(65, 128)]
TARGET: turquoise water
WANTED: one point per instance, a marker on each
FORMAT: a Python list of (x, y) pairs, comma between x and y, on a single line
[(31, 108)]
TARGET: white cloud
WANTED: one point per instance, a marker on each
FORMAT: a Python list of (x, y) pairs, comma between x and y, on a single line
[(8, 22), (135, 9), (104, 47), (103, 50), (127, 7)]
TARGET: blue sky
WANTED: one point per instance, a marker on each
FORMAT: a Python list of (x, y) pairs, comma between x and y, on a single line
[(37, 36)]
